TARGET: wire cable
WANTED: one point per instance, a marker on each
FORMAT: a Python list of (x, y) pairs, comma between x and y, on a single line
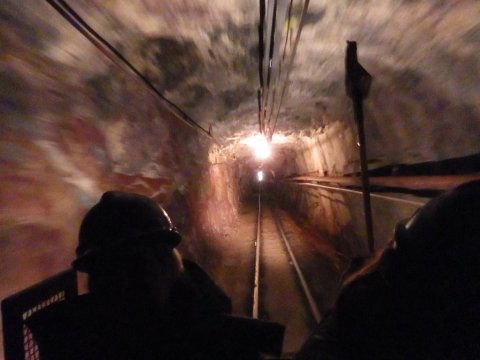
[(113, 54), (281, 63), (269, 51), (290, 64)]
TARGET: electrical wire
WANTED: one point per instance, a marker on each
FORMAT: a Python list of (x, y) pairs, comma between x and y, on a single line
[(261, 53), (267, 67), (115, 56), (281, 62), (290, 64)]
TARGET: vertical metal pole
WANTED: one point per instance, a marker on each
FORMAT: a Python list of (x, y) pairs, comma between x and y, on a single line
[(259, 99), (357, 83), (358, 110)]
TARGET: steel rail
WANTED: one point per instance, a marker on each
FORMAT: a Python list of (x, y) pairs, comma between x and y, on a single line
[(306, 289), (256, 284), (373, 195), (105, 47), (423, 182)]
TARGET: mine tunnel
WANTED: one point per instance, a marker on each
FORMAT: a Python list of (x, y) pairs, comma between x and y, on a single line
[(235, 116)]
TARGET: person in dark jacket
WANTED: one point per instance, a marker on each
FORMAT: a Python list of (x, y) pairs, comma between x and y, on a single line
[(145, 301), (418, 299)]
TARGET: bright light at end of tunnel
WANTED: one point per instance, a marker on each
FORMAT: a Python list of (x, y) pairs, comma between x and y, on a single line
[(260, 146), (260, 176), (262, 150)]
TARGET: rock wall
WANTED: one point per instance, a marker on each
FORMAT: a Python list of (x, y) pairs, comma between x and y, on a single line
[(332, 151), (74, 126), (215, 209), (422, 104)]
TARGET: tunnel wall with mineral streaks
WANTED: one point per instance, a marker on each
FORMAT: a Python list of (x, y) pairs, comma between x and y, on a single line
[(421, 107), (216, 207), (338, 217), (71, 128), (332, 151)]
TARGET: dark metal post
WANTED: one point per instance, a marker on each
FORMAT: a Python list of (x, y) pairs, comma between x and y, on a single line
[(358, 82), (259, 99)]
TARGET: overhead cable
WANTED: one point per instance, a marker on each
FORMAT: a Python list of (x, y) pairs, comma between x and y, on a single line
[(118, 58), (290, 64), (261, 53), (267, 59), (279, 75)]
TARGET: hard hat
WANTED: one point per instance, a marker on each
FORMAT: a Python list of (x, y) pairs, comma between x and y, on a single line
[(122, 219)]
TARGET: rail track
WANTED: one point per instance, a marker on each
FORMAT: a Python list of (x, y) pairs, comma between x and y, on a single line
[(281, 292)]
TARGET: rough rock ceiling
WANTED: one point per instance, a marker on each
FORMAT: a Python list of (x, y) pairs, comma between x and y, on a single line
[(204, 56), (72, 125)]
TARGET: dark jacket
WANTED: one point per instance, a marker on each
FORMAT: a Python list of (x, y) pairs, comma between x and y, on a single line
[(195, 327)]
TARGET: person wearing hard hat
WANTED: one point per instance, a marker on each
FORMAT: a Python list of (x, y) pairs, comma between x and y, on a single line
[(127, 245), (419, 298), (144, 300)]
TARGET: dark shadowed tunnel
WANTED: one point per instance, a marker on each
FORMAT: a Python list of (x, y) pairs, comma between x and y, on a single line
[(76, 122)]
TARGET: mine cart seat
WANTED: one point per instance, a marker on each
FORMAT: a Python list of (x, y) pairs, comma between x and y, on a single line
[(16, 309)]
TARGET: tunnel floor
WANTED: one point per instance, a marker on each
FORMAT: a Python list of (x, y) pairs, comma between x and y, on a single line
[(280, 295)]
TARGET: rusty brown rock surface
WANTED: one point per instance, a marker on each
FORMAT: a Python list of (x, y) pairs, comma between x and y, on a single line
[(74, 126)]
